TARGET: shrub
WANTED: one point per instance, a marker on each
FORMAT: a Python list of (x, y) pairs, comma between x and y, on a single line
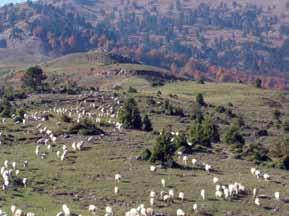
[(129, 115), (86, 128), (163, 150), (6, 109), (65, 118), (200, 100), (258, 83), (145, 155), (147, 125), (220, 109), (234, 137), (33, 79), (280, 148), (276, 115), (286, 126), (131, 90), (180, 141)]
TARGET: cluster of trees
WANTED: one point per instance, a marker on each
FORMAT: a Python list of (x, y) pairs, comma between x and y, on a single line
[(131, 118)]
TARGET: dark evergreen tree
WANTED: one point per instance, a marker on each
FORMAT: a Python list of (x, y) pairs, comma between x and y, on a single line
[(130, 116)]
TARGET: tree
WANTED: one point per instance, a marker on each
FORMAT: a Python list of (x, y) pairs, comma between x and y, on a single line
[(33, 79), (200, 100), (258, 83), (234, 137), (204, 132), (163, 149), (147, 124), (130, 116)]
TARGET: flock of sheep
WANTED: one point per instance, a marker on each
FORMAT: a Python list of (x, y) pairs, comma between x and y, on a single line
[(47, 143)]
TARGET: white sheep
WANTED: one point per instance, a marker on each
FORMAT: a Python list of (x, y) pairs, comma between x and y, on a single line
[(215, 180), (257, 202), (266, 177), (277, 195), (194, 161), (195, 207), (24, 182), (117, 178), (108, 211), (66, 210), (116, 190), (152, 194), (182, 196), (92, 209), (203, 194), (185, 160), (163, 182), (152, 201), (153, 168), (180, 212)]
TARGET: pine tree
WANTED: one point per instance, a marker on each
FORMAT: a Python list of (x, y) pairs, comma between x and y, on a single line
[(147, 125), (130, 116)]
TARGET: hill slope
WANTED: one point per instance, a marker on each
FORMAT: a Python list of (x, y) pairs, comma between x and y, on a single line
[(244, 39)]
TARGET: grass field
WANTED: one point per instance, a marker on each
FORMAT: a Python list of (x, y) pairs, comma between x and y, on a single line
[(87, 177)]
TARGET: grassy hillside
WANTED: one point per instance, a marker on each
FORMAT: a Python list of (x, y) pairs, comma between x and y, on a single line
[(87, 177)]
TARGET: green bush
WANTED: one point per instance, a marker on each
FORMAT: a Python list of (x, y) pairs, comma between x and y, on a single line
[(145, 155), (131, 90), (33, 79), (86, 128), (233, 137), (147, 124), (130, 116), (164, 149), (200, 100), (220, 109), (65, 118)]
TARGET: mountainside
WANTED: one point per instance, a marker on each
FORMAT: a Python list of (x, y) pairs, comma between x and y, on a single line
[(219, 40)]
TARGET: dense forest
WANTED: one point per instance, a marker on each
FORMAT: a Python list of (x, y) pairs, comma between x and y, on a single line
[(245, 38)]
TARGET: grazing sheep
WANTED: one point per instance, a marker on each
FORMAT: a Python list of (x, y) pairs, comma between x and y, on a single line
[(74, 146), (203, 194), (215, 180), (116, 190), (185, 160), (253, 170), (152, 201), (182, 196), (30, 214), (195, 207), (117, 178), (152, 194), (180, 212), (257, 202), (18, 212), (92, 209), (13, 209), (194, 162), (255, 192), (24, 182), (219, 194), (266, 177), (108, 211), (163, 181), (277, 196), (171, 194), (208, 168), (66, 210), (25, 164), (153, 168)]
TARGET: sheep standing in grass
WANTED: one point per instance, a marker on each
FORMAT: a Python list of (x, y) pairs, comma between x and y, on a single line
[(152, 201), (195, 207), (257, 202), (185, 160), (108, 211), (116, 190), (117, 178), (203, 194), (194, 162), (92, 209), (182, 196), (180, 212), (153, 168), (163, 182), (215, 180), (266, 177), (277, 196)]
